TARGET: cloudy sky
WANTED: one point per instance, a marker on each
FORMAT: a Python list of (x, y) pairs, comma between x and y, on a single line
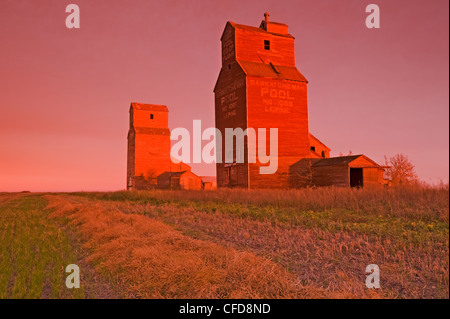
[(65, 93)]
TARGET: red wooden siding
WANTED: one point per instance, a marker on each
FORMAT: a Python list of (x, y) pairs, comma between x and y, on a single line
[(148, 145), (259, 88)]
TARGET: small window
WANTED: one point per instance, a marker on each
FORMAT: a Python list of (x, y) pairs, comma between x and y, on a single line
[(266, 45), (323, 154), (313, 148), (151, 116)]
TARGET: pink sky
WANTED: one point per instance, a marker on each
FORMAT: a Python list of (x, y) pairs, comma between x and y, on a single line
[(65, 94)]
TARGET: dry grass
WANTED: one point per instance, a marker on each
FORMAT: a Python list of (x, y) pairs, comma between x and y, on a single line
[(324, 236), (420, 203), (145, 258), (309, 243)]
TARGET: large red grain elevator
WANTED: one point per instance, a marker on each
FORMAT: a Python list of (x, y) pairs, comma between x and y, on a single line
[(149, 164), (259, 86), (148, 145)]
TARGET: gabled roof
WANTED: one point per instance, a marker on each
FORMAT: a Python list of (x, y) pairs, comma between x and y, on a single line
[(179, 174), (343, 160), (176, 174), (318, 141), (256, 29), (268, 70), (149, 107)]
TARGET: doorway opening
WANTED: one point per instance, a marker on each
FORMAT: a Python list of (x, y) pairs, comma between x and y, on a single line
[(356, 177)]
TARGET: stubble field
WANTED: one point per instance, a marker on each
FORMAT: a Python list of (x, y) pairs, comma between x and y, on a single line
[(307, 243)]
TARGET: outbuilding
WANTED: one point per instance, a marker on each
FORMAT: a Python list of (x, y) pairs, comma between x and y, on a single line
[(353, 171)]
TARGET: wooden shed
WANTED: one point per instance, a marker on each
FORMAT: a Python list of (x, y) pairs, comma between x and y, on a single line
[(353, 171), (179, 180), (209, 182)]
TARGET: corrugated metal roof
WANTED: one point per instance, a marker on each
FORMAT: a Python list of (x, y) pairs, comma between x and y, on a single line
[(149, 107), (265, 70), (341, 160)]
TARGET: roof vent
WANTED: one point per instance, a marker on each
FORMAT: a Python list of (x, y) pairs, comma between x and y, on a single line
[(273, 27)]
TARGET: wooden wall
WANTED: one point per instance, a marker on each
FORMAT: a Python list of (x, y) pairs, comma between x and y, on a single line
[(230, 112), (141, 118), (148, 148), (282, 104), (250, 47), (190, 181), (179, 167), (362, 161), (152, 155), (319, 147), (131, 159), (301, 173), (246, 101), (337, 175), (372, 175)]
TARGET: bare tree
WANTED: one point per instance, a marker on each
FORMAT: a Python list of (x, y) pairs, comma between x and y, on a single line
[(400, 170), (151, 176)]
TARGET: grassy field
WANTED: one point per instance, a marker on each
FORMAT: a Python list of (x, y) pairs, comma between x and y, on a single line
[(34, 251), (307, 243)]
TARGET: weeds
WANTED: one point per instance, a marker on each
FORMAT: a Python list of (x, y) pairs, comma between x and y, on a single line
[(230, 243), (34, 252)]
